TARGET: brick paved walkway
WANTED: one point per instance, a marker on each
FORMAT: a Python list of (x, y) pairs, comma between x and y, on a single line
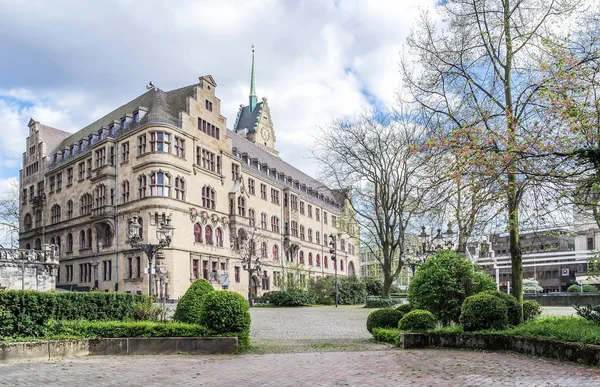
[(428, 367)]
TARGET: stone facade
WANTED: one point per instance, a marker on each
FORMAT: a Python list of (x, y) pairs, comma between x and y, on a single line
[(169, 154), (28, 269)]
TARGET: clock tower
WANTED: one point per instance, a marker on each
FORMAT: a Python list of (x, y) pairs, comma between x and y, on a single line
[(254, 121)]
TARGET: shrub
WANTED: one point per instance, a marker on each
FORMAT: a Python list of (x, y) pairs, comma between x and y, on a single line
[(443, 282), (531, 310), (351, 290), (587, 288), (30, 310), (291, 298), (417, 321), (575, 329), (531, 285), (147, 310), (373, 286), (189, 306), (405, 308), (513, 308), (92, 329), (383, 318), (589, 312), (483, 311), (380, 303), (225, 312), (386, 335)]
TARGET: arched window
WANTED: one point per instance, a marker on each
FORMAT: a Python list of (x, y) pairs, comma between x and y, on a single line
[(219, 237), (100, 193), (85, 207), (275, 224), (69, 243), (325, 262), (52, 241), (310, 260), (28, 246), (241, 201), (82, 240), (160, 184), (180, 188), (318, 258), (208, 235), (197, 233), (263, 250), (208, 197), (341, 264), (275, 253), (55, 214), (89, 237), (38, 244), (301, 258), (251, 217), (69, 209), (28, 222), (263, 221)]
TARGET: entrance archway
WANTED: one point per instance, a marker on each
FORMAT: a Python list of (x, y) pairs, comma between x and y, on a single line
[(351, 271)]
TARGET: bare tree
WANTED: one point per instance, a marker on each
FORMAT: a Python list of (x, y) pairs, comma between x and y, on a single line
[(379, 160), (247, 244), (479, 68), (9, 215)]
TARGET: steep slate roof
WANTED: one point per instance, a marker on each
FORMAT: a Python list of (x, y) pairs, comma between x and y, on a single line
[(52, 137), (247, 119), (244, 146), (162, 107)]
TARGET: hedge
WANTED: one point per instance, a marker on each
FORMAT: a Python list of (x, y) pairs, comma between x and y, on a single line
[(93, 329), (291, 298), (189, 306), (380, 303), (25, 312), (386, 335)]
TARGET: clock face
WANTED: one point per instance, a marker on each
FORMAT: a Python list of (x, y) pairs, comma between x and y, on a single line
[(265, 133)]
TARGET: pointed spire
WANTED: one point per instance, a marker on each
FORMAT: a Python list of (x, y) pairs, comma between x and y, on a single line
[(252, 104)]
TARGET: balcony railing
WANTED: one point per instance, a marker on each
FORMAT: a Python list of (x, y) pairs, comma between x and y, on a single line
[(49, 255), (103, 211)]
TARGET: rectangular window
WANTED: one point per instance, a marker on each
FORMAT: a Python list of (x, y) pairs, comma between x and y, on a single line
[(180, 147), (333, 220), (138, 267), (40, 188), (52, 183), (196, 268), (160, 142), (208, 128), (125, 152), (129, 267), (235, 172), (208, 105), (317, 214), (318, 237), (310, 211), (141, 144), (301, 208), (100, 155), (265, 281), (263, 191), (24, 196), (69, 273), (81, 171), (590, 243), (88, 167), (274, 196), (59, 181), (69, 176), (107, 270), (251, 186), (208, 160), (294, 202), (237, 274), (325, 217)]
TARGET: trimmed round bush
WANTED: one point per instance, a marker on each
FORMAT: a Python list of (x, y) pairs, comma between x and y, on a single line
[(531, 310), (189, 306), (417, 320), (483, 311), (513, 308), (383, 318), (405, 308), (225, 312), (587, 288)]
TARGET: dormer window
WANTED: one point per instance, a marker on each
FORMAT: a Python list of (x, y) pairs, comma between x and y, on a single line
[(136, 117), (123, 123)]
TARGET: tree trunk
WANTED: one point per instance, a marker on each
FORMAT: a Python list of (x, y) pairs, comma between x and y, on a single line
[(387, 284)]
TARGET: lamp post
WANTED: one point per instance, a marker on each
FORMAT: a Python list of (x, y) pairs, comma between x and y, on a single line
[(251, 267), (332, 251), (164, 234), (429, 245)]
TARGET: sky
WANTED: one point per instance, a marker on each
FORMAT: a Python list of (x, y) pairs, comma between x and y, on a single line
[(67, 63)]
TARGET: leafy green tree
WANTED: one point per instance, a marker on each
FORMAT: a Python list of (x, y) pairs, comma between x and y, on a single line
[(531, 285), (443, 282)]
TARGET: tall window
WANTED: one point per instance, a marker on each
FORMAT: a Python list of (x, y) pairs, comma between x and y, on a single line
[(69, 176), (125, 152), (180, 188), (160, 142), (100, 193), (263, 191), (59, 181), (208, 235), (263, 250), (310, 259), (263, 221), (55, 214), (318, 237), (235, 171), (82, 240), (179, 147), (318, 260), (141, 144), (317, 214), (251, 217), (100, 156), (294, 202), (301, 257), (219, 237), (310, 235), (208, 197), (309, 207), (274, 196), (89, 238), (141, 186), (69, 209), (160, 184), (275, 224), (52, 183), (241, 201), (197, 233), (236, 274), (275, 253), (301, 208), (86, 204), (125, 189), (325, 262), (251, 186), (294, 228), (28, 222), (81, 171), (325, 217), (69, 243), (38, 219), (341, 264)]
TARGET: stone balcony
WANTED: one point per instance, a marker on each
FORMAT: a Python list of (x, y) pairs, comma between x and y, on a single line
[(103, 212)]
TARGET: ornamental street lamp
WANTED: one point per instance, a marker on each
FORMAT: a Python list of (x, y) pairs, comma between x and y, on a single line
[(164, 234), (332, 251), (438, 242)]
